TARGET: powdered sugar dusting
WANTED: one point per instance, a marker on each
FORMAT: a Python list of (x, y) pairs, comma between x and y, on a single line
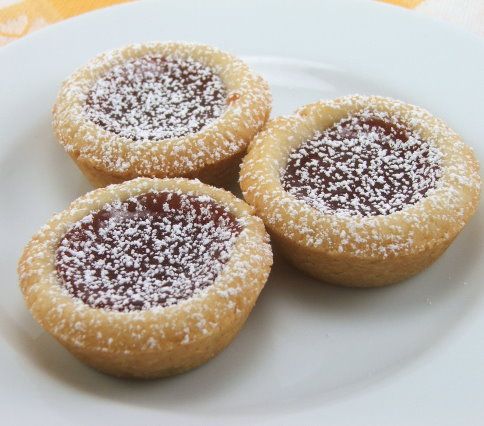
[(155, 97), (441, 213), (205, 313), (367, 164), (148, 251), (245, 111)]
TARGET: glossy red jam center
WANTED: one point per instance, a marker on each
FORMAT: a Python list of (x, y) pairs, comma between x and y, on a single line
[(150, 251), (156, 98), (367, 164)]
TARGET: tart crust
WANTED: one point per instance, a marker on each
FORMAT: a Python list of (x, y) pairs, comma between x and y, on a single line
[(158, 342), (213, 154), (360, 251)]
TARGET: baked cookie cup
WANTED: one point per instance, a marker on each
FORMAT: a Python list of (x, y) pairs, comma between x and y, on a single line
[(148, 278), (361, 191), (161, 110)]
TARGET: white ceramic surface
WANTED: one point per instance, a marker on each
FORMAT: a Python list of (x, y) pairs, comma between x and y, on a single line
[(310, 353)]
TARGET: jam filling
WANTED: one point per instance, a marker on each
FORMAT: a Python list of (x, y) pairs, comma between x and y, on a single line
[(156, 98), (153, 250), (367, 164)]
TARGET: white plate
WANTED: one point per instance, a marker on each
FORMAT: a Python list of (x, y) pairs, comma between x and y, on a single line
[(408, 354)]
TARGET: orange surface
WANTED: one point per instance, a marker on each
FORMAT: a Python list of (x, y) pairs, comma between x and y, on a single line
[(405, 3), (21, 17)]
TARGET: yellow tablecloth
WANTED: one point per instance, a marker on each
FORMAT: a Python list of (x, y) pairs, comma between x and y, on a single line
[(20, 17)]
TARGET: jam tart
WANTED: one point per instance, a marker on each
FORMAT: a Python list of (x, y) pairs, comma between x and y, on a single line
[(147, 278), (161, 110), (361, 191)]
